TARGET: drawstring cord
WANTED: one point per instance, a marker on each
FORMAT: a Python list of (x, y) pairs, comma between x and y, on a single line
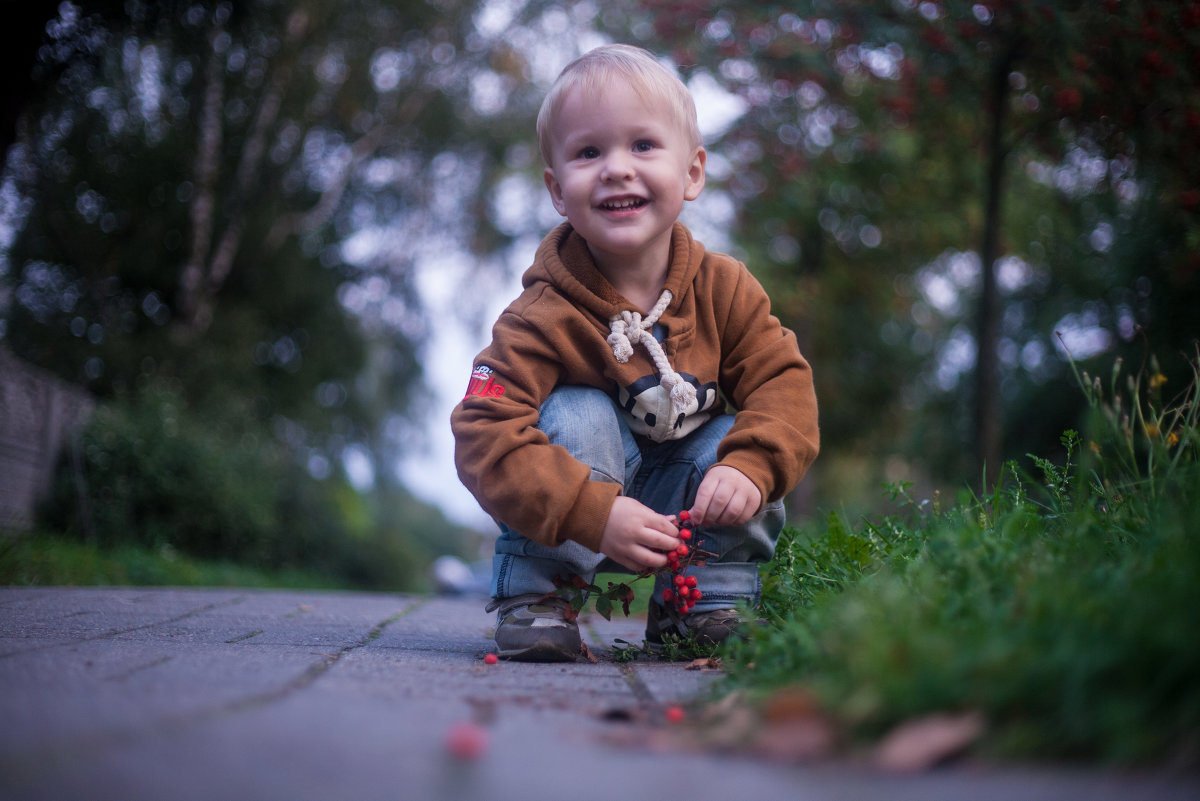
[(629, 328)]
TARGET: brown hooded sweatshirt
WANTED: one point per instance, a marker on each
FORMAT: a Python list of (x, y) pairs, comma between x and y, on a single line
[(719, 344)]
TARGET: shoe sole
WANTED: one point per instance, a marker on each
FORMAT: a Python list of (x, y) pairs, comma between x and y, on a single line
[(541, 652)]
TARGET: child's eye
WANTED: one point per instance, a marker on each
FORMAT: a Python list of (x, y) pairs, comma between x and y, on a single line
[(643, 146), (589, 153)]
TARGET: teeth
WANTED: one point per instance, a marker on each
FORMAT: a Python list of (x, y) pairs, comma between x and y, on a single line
[(619, 205)]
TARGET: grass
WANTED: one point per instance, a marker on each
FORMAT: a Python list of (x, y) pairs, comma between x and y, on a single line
[(43, 559), (1063, 605)]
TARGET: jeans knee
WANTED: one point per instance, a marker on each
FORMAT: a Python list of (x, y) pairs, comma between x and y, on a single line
[(585, 422)]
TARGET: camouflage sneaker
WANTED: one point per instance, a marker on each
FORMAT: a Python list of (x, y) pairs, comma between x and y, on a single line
[(532, 628), (711, 627)]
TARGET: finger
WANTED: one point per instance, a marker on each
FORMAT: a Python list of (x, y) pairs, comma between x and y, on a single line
[(700, 504), (718, 507), (659, 540), (735, 512), (646, 558), (665, 525)]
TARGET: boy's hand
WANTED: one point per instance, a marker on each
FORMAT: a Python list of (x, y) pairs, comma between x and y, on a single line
[(725, 498), (635, 535)]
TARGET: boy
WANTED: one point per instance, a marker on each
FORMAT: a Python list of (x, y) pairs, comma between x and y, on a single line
[(599, 409)]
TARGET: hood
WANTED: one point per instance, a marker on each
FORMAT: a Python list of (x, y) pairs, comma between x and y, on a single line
[(564, 262)]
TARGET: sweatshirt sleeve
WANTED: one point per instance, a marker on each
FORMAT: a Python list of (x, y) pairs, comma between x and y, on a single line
[(507, 463), (775, 436)]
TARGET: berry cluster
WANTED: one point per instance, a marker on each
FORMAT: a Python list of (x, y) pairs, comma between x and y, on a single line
[(685, 593)]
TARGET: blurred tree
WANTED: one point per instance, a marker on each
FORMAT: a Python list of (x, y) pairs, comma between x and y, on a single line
[(19, 42), (228, 201), (875, 168), (189, 180)]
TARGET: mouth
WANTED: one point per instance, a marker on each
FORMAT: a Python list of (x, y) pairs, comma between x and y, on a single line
[(622, 204)]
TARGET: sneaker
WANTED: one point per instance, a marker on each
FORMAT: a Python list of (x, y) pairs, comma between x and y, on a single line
[(532, 628), (710, 627)]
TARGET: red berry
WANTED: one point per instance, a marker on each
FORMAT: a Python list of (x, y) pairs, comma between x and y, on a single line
[(466, 741), (685, 516), (685, 534), (491, 659), (680, 581), (682, 550), (685, 591), (668, 595), (696, 596), (674, 714), (691, 581)]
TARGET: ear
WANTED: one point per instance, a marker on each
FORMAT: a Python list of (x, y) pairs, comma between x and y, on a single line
[(695, 174), (555, 190)]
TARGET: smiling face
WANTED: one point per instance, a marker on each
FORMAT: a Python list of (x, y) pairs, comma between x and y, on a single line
[(621, 168)]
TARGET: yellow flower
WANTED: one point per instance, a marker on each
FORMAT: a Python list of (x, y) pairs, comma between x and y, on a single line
[(1151, 430), (1172, 439), (1095, 446), (1157, 380)]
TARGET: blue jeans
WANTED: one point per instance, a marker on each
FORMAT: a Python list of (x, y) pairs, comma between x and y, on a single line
[(664, 477)]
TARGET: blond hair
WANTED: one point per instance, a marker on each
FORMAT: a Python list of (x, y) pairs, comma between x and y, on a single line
[(652, 82)]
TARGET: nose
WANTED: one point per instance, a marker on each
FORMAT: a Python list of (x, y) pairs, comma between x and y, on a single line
[(618, 166)]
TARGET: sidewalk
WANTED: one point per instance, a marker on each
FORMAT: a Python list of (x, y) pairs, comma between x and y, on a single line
[(221, 694)]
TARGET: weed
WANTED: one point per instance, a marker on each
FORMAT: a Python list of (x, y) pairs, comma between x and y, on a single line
[(1061, 604)]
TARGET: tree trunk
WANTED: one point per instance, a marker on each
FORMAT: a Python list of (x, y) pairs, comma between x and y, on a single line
[(202, 209), (989, 407)]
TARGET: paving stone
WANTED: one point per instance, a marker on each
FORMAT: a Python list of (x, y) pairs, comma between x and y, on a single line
[(136, 694)]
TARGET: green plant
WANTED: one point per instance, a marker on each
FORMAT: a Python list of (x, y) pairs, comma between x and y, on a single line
[(155, 471), (46, 559), (674, 648), (1061, 605)]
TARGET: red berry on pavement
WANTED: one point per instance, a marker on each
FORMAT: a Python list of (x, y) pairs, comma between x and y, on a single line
[(466, 741), (674, 714), (491, 659)]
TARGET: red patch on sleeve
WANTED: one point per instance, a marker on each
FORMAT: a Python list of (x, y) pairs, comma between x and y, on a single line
[(483, 383)]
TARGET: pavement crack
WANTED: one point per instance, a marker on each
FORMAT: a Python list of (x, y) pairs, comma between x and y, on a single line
[(42, 760), (638, 687), (314, 671), (640, 691), (128, 630), (138, 669)]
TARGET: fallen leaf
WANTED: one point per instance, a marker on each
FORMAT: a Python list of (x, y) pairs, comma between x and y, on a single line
[(922, 743), (789, 703), (587, 652), (728, 723), (797, 740), (704, 663)]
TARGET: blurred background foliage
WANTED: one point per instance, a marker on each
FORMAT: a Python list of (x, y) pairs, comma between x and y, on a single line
[(222, 220)]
